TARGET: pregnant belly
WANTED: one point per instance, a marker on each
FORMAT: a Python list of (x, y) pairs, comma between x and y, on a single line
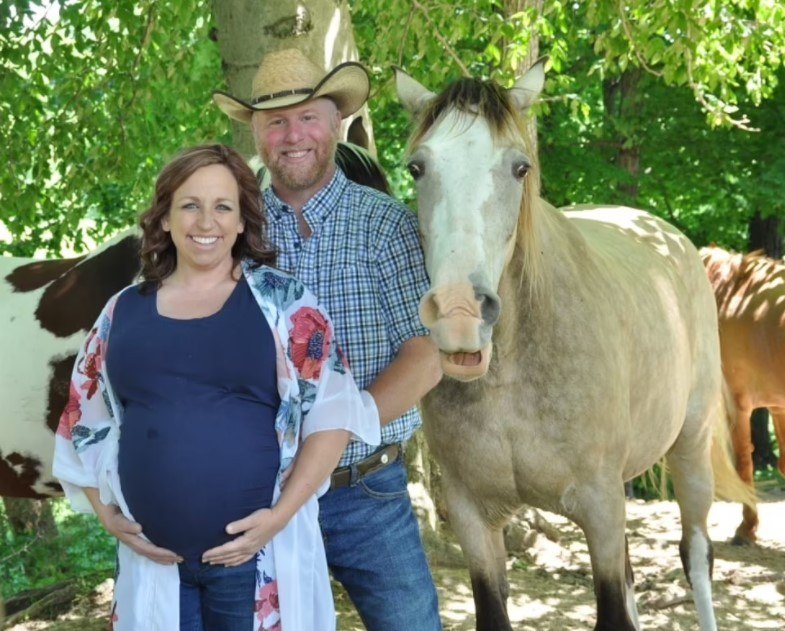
[(185, 487)]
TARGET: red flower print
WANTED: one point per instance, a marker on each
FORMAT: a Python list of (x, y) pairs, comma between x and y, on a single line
[(310, 342), (71, 414), (267, 604), (90, 367)]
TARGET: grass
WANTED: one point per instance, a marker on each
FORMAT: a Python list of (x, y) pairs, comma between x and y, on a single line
[(81, 550)]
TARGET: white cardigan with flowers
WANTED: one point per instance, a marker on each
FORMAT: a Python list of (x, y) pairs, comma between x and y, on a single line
[(317, 393)]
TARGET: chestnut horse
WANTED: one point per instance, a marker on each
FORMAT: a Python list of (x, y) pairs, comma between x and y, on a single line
[(579, 348), (750, 294)]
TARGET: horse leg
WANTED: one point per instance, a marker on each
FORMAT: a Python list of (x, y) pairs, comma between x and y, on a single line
[(490, 587), (693, 484), (483, 548), (742, 447), (600, 513)]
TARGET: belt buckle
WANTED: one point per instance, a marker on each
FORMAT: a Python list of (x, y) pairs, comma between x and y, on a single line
[(383, 459), (355, 472)]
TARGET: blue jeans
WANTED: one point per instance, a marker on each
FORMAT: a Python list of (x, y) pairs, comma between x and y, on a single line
[(374, 549), (217, 598)]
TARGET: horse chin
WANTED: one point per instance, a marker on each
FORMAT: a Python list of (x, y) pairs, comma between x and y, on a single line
[(466, 366)]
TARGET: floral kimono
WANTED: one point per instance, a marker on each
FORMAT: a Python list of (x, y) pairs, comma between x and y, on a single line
[(317, 393)]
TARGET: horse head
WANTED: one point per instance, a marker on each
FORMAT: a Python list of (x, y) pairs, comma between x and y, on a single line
[(469, 159)]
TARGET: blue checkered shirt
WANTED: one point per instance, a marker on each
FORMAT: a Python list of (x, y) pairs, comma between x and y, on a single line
[(365, 265)]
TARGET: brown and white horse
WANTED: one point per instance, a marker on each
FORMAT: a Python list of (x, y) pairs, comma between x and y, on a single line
[(580, 348), (750, 294), (47, 307)]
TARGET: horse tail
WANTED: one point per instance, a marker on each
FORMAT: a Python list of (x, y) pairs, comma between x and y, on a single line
[(727, 483)]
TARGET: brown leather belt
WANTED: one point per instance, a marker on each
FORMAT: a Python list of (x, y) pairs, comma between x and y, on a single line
[(347, 476)]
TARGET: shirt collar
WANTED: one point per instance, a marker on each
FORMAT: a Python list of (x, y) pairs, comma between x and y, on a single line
[(316, 210)]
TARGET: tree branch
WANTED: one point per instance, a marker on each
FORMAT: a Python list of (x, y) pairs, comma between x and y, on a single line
[(740, 123), (450, 51), (628, 32), (409, 20), (148, 32)]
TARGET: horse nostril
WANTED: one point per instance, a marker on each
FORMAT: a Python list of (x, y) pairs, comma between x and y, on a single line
[(490, 306), (429, 309)]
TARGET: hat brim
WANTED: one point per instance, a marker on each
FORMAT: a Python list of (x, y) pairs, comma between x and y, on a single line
[(348, 85)]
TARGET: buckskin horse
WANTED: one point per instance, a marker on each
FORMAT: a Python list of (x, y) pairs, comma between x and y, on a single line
[(750, 294), (46, 309), (579, 347)]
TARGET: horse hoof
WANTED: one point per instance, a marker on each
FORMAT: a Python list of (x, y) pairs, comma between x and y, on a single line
[(743, 539)]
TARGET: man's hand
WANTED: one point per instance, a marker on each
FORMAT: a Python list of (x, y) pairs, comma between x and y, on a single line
[(257, 529)]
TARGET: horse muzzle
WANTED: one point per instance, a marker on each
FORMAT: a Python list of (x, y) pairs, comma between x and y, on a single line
[(460, 317), (465, 366)]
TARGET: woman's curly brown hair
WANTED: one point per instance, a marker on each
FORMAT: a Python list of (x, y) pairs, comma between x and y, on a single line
[(158, 253)]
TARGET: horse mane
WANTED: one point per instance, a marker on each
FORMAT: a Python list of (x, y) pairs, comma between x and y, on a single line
[(489, 101)]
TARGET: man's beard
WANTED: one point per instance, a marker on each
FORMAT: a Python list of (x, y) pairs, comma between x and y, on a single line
[(297, 177)]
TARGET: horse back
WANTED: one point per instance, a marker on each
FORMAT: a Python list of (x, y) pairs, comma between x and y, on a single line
[(750, 293), (652, 302)]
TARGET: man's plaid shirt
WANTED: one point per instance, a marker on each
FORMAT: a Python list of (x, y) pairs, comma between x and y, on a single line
[(365, 265)]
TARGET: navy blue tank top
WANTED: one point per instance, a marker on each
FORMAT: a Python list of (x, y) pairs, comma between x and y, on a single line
[(197, 444)]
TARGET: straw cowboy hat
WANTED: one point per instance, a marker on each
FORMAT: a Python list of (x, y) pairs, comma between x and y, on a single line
[(287, 77)]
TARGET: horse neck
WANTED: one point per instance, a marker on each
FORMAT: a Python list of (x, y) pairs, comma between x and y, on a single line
[(542, 269)]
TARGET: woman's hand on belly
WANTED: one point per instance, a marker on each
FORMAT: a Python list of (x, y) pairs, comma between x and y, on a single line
[(254, 532), (127, 531)]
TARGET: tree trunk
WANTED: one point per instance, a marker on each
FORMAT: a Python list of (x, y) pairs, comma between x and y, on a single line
[(249, 29), (28, 516), (764, 234), (621, 99)]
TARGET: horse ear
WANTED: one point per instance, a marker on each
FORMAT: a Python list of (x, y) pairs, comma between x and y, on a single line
[(412, 94), (529, 85)]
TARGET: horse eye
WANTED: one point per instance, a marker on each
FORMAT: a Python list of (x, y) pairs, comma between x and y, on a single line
[(520, 169), (416, 169)]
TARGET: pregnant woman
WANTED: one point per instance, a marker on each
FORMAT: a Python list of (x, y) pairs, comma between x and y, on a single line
[(208, 407)]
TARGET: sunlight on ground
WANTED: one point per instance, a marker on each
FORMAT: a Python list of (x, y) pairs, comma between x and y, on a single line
[(551, 585)]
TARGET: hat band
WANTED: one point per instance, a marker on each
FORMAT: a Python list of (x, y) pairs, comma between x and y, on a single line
[(277, 95)]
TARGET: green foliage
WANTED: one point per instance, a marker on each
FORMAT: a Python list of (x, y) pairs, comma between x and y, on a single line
[(691, 59), (707, 181), (82, 550), (723, 51), (435, 43), (103, 93)]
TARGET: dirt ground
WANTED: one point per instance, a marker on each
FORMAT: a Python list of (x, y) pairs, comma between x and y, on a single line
[(551, 588)]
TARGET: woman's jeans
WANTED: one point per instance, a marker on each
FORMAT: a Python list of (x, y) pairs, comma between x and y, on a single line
[(217, 598)]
